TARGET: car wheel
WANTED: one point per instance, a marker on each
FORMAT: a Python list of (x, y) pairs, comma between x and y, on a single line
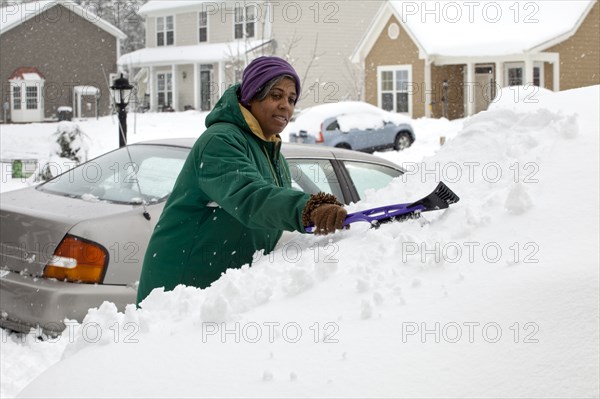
[(344, 146), (402, 141)]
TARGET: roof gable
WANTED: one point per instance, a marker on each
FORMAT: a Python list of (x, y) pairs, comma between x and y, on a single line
[(163, 6), (14, 14), (27, 73), (566, 35), (486, 28)]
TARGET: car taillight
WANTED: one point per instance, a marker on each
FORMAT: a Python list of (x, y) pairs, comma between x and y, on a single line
[(319, 138), (77, 260)]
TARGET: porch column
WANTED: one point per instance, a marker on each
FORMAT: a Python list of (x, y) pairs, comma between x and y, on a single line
[(556, 75), (151, 89), (528, 78), (196, 84), (221, 78), (427, 88), (470, 89), (174, 87), (74, 102), (499, 68)]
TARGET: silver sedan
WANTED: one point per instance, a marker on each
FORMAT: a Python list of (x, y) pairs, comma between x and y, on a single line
[(78, 240)]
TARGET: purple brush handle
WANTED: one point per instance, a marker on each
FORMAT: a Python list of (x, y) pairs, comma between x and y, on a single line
[(377, 214)]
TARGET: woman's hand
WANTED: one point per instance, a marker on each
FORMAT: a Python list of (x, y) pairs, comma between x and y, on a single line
[(328, 218)]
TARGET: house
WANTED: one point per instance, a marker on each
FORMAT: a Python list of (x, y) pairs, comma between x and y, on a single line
[(451, 58), (195, 49), (55, 54)]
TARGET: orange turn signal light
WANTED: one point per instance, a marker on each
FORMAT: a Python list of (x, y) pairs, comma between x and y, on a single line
[(77, 260)]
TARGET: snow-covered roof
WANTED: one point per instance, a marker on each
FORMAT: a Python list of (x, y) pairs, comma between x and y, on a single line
[(484, 28), (26, 73), (158, 6), (86, 90), (200, 53), (13, 14)]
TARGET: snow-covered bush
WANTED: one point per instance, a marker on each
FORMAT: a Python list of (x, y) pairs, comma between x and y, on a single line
[(69, 147)]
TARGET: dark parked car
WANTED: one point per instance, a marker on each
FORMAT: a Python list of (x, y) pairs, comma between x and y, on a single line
[(75, 241), (352, 125)]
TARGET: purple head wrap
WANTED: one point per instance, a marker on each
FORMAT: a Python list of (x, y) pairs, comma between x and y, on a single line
[(260, 71)]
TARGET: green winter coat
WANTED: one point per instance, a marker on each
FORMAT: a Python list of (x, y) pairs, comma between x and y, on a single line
[(233, 197)]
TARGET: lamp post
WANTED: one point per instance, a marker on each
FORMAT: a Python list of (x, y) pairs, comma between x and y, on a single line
[(122, 91), (445, 97)]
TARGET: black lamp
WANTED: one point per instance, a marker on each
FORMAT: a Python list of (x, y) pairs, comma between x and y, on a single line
[(122, 91)]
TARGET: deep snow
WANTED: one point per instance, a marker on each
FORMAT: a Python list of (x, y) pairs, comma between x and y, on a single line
[(496, 297)]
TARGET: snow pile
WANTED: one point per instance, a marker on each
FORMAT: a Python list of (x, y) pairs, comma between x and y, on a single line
[(40, 356), (497, 296), (514, 97)]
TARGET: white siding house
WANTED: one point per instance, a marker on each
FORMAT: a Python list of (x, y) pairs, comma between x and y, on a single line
[(195, 49)]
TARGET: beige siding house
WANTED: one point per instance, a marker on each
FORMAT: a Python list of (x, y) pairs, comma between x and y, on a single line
[(195, 49), (436, 59), (52, 54), (318, 39)]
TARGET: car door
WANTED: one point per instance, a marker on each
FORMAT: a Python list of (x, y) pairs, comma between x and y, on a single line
[(386, 134), (363, 130), (315, 175)]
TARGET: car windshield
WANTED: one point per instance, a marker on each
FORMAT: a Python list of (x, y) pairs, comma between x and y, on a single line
[(113, 177)]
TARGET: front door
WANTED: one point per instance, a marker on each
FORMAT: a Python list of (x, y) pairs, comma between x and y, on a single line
[(164, 90), (484, 87), (205, 87)]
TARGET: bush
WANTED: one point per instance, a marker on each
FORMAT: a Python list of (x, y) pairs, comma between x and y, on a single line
[(69, 143)]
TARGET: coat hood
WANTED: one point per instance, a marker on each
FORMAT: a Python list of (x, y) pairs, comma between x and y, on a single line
[(228, 110)]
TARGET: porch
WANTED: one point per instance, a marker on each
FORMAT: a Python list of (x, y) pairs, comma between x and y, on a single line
[(464, 86), (178, 78)]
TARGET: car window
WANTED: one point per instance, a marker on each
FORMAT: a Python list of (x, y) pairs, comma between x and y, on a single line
[(333, 126), (113, 177), (368, 176), (314, 175)]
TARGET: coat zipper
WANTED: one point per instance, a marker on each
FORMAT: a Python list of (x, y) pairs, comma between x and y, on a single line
[(273, 172)]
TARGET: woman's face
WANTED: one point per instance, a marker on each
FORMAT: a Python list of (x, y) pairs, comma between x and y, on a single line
[(275, 111)]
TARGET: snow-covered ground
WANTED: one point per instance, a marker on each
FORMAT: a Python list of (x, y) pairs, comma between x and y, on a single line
[(497, 296)]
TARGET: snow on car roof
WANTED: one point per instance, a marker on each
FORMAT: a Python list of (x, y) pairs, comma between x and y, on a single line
[(358, 115)]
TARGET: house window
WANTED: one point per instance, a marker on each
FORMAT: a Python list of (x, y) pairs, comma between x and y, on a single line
[(31, 97), (17, 97), (538, 76), (203, 26), (245, 18), (164, 31), (394, 89), (164, 89), (515, 74)]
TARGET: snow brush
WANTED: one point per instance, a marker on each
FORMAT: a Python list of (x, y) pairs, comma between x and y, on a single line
[(440, 198)]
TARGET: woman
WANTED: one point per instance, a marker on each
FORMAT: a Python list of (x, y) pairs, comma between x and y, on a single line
[(233, 195)]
